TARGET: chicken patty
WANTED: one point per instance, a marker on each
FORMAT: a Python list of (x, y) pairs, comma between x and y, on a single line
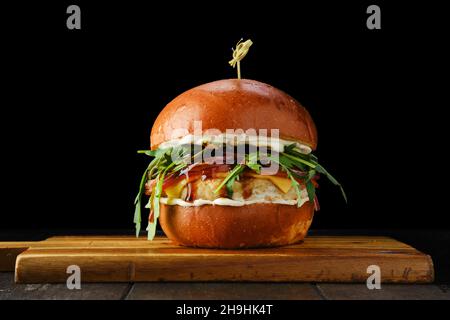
[(244, 189)]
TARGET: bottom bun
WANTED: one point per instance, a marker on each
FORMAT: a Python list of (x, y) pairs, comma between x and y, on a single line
[(249, 226)]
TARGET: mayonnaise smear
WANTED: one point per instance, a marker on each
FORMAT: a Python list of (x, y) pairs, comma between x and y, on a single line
[(224, 202), (237, 139)]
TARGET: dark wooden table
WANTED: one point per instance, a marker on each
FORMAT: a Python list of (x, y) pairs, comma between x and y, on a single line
[(220, 291), (434, 242)]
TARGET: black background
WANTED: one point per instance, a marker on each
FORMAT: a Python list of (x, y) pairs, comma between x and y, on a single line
[(77, 104)]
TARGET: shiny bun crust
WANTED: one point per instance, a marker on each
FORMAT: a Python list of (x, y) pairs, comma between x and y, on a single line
[(249, 226), (234, 104)]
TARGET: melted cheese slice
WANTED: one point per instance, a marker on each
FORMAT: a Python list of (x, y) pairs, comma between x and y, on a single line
[(283, 184), (175, 190)]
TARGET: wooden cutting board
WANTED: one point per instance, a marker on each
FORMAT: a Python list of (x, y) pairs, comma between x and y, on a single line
[(128, 259)]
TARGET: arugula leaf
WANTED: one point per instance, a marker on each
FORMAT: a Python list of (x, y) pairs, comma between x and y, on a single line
[(231, 175), (290, 147), (157, 192), (252, 162), (229, 186), (333, 180), (148, 174), (162, 164), (138, 199), (311, 174), (300, 160), (310, 190), (311, 161), (313, 158), (137, 218), (150, 153)]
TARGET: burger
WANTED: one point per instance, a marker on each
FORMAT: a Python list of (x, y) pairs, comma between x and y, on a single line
[(232, 167)]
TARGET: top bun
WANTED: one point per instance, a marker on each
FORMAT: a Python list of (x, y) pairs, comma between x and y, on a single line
[(234, 104)]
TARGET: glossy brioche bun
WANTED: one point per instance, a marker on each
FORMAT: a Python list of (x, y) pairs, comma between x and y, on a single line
[(234, 104), (249, 226)]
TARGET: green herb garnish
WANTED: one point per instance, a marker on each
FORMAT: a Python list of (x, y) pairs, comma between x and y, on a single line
[(158, 168), (230, 178), (300, 169)]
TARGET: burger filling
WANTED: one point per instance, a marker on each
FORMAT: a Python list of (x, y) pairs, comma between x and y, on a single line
[(180, 175), (199, 188)]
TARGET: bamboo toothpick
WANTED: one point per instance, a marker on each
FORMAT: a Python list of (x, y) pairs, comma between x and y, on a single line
[(239, 53)]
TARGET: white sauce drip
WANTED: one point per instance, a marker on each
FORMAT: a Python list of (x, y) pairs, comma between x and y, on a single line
[(225, 202), (236, 139)]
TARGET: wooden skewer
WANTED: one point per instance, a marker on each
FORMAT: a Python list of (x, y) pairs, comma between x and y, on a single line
[(239, 53)]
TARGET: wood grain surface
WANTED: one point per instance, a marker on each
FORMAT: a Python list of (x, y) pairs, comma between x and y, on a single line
[(127, 259)]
